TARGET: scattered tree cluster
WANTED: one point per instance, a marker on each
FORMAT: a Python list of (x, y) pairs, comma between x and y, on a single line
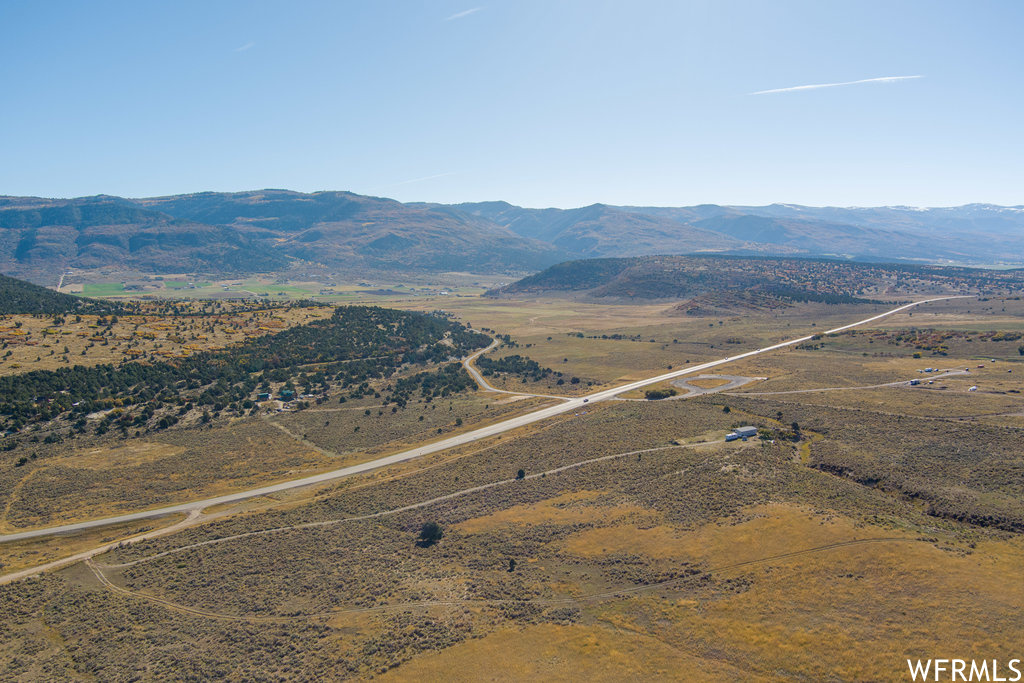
[(524, 368), (658, 394), (450, 379)]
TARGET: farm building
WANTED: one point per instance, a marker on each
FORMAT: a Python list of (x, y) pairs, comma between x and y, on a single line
[(741, 433)]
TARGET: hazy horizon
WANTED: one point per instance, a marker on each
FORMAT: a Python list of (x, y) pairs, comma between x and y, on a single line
[(581, 206)]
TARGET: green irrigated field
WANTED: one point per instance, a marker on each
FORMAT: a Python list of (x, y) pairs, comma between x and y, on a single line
[(102, 289), (183, 284)]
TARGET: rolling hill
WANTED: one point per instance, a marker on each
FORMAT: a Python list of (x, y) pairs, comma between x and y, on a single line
[(716, 283)]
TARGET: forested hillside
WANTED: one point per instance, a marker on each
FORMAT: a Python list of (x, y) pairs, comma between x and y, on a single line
[(18, 296), (355, 344)]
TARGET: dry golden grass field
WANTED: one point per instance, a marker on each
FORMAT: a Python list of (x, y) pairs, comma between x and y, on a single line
[(42, 343), (867, 525)]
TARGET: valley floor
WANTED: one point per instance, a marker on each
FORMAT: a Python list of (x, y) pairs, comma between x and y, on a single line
[(873, 521)]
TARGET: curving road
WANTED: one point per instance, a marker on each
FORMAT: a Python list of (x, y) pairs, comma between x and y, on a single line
[(479, 378), (734, 382), (567, 406)]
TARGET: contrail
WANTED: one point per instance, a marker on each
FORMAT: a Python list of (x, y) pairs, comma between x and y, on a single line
[(465, 13), (884, 79)]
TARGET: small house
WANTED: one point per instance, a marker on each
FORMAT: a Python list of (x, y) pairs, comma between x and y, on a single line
[(263, 396), (287, 394), (741, 433)]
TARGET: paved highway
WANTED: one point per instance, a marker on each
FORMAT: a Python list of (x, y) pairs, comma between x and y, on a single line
[(567, 406)]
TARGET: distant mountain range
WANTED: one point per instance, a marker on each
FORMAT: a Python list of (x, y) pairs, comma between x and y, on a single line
[(264, 231), (278, 230), (972, 234)]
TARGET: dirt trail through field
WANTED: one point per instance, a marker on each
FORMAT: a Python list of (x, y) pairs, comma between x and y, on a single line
[(304, 441), (13, 497), (901, 383), (194, 517)]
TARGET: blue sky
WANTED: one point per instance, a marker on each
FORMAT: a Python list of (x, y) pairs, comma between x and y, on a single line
[(538, 102)]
